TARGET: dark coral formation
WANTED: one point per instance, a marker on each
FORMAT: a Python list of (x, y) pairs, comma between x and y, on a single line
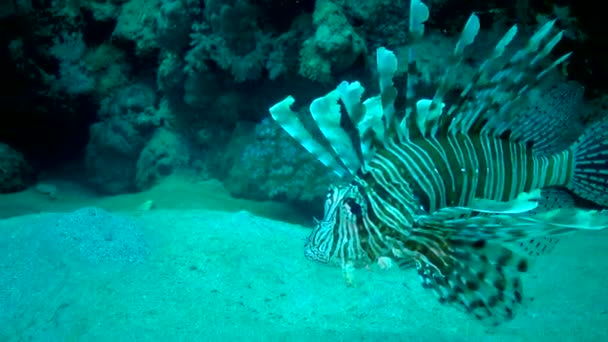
[(135, 90)]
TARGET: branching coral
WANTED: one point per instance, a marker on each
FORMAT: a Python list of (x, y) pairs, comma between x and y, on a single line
[(270, 165), (231, 39), (335, 46)]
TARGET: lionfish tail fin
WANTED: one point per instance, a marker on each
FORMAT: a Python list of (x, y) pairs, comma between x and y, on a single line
[(590, 176), (480, 277)]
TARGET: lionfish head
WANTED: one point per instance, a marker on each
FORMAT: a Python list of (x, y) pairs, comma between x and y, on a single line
[(335, 238)]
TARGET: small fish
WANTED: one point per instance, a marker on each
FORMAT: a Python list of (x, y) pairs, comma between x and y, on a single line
[(459, 183)]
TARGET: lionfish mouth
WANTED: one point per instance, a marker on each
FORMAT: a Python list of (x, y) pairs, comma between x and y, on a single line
[(314, 254)]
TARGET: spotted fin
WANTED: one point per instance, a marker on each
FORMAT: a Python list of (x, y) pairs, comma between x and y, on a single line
[(537, 247), (510, 228), (550, 119), (551, 199), (475, 269), (480, 277)]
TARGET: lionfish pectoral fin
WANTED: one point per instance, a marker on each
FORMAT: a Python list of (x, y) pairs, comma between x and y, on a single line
[(535, 247), (524, 202), (481, 277), (551, 199), (498, 227), (512, 228), (573, 218)]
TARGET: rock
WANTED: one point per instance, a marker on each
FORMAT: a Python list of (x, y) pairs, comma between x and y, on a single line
[(15, 172)]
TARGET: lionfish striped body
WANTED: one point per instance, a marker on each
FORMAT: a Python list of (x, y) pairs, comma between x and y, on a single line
[(453, 171), (452, 189)]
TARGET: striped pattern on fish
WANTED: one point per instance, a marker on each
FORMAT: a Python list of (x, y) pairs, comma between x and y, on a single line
[(452, 171), (456, 188)]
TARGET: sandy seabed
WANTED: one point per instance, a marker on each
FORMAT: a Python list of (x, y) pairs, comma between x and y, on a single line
[(227, 275)]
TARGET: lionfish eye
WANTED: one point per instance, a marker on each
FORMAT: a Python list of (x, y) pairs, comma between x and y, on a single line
[(355, 208)]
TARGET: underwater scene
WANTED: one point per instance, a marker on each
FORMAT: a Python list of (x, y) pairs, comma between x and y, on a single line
[(303, 170)]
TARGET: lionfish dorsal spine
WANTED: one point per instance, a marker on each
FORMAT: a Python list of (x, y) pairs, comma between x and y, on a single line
[(491, 104), (463, 124), (353, 127), (387, 64), (372, 118), (366, 117), (467, 37), (327, 113), (283, 114), (419, 14)]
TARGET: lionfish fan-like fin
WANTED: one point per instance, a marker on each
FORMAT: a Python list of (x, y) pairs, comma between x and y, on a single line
[(551, 199), (523, 203), (571, 218), (483, 278), (536, 247), (501, 85), (289, 121), (471, 226), (510, 228)]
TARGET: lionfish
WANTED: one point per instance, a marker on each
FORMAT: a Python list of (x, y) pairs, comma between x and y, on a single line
[(451, 187)]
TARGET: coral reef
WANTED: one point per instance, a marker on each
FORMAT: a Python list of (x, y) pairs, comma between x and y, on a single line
[(163, 154), (146, 87), (268, 164), (15, 172), (335, 45)]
